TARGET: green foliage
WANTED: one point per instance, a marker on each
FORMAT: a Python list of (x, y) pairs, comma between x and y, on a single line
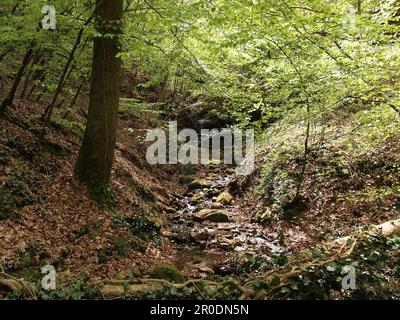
[(376, 272), (264, 59), (103, 195), (74, 125), (143, 222), (277, 186), (73, 289), (121, 246), (166, 271), (19, 190)]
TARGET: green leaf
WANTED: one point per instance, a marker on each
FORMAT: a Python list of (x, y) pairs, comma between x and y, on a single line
[(275, 281)]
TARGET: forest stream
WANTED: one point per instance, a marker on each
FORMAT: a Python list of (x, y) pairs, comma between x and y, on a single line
[(199, 150), (209, 229)]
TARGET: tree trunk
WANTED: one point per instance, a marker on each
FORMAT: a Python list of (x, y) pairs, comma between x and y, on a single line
[(4, 54), (37, 60), (8, 101), (77, 94), (359, 7), (41, 79), (96, 155), (49, 110)]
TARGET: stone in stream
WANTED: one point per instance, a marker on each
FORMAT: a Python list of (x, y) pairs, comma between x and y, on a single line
[(225, 198), (197, 196), (205, 268), (213, 215), (212, 193), (179, 238), (198, 184), (217, 205), (170, 210), (203, 245), (219, 186), (228, 244), (212, 175), (199, 236)]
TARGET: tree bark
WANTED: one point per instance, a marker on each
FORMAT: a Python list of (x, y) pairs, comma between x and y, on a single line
[(96, 155), (8, 101), (41, 77), (4, 54), (49, 110), (77, 94), (36, 61), (359, 7)]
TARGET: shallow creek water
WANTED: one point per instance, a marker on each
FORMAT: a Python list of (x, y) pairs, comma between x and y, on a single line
[(204, 247)]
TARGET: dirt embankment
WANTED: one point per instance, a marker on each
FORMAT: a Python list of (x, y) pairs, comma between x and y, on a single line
[(48, 217), (339, 193)]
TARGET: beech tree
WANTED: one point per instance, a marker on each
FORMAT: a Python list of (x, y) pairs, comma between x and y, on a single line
[(96, 155)]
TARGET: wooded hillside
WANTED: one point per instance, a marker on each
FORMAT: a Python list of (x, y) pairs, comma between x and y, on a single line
[(93, 184)]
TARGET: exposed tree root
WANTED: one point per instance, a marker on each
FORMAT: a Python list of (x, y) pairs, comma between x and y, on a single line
[(9, 283), (337, 250), (116, 289)]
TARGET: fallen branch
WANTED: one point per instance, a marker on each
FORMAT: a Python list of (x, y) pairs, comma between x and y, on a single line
[(118, 289), (333, 251), (12, 284)]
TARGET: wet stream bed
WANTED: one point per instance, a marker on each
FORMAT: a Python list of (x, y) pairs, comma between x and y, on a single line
[(209, 230)]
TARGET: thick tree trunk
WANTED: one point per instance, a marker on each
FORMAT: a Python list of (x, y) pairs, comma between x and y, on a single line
[(96, 155), (8, 101)]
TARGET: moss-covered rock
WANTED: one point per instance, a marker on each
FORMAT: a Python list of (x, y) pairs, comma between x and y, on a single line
[(197, 196), (155, 222), (217, 205), (199, 236), (167, 271), (213, 215), (198, 184), (225, 198), (264, 216)]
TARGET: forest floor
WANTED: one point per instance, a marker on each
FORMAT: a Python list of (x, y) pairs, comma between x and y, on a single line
[(167, 214)]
